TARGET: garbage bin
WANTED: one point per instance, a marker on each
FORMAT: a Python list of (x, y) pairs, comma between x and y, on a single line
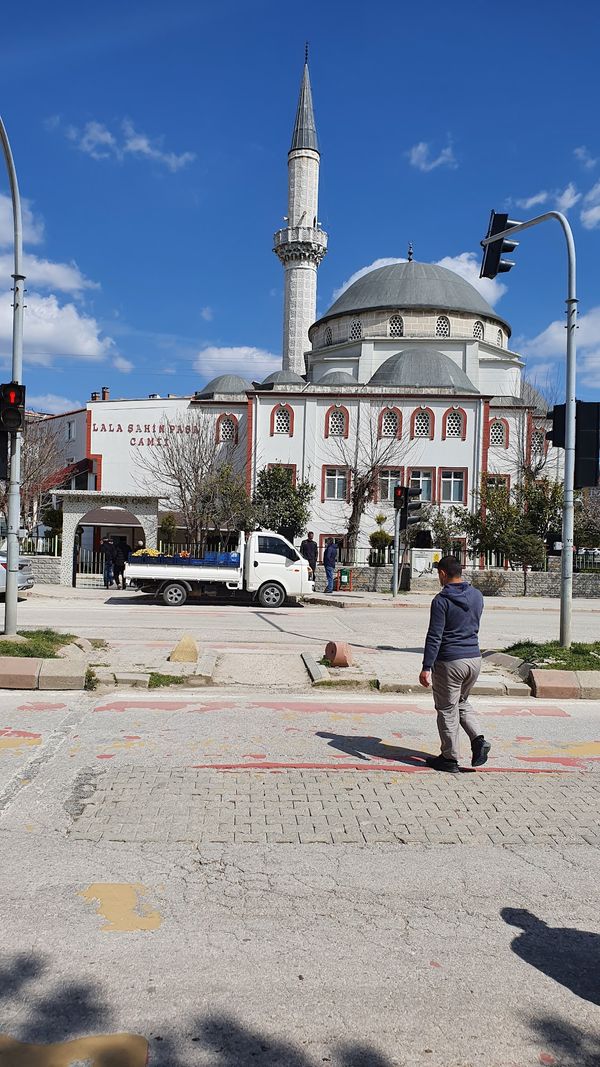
[(343, 579)]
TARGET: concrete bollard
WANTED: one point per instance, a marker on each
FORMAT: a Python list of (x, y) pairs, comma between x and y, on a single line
[(339, 654)]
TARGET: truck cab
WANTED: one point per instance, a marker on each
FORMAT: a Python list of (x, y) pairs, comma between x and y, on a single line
[(274, 569)]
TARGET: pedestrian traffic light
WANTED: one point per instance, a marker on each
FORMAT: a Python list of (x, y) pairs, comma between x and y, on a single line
[(587, 440), (492, 263), (398, 496), (12, 407), (408, 516)]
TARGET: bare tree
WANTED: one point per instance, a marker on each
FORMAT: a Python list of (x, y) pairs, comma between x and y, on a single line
[(42, 464), (195, 472), (538, 397)]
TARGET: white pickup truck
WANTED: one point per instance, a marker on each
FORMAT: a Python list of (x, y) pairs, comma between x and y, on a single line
[(264, 563)]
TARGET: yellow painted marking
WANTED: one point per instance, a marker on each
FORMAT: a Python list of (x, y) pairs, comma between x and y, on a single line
[(119, 903), (118, 1050), (583, 748), (19, 742)]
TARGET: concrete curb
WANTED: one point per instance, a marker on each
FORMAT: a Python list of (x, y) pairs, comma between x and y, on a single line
[(318, 673), (205, 673)]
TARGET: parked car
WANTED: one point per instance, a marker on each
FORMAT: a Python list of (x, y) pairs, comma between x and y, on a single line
[(25, 578)]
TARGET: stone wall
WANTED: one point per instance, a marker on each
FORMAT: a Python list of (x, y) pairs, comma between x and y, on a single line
[(364, 579), (539, 583), (45, 569)]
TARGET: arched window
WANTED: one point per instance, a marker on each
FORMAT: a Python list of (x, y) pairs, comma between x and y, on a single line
[(282, 420), (478, 330), (499, 433), (390, 423), (337, 421), (538, 442), (454, 424), (355, 330), (422, 423), (500, 338), (396, 326), (442, 326), (227, 429), (328, 336)]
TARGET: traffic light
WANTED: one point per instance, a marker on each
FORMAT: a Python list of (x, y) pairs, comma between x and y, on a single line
[(12, 407), (587, 440), (398, 496), (408, 516), (492, 264)]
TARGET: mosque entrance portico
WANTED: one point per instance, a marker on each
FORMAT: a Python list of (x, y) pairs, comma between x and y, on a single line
[(77, 506)]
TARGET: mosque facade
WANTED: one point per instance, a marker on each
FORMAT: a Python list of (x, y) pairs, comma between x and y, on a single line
[(408, 377)]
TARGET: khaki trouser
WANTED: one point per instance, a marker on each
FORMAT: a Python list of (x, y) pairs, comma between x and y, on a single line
[(452, 682)]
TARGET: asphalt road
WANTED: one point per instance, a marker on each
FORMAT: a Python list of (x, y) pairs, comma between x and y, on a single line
[(448, 921)]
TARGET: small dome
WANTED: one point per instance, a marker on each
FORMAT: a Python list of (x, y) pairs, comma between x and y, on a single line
[(412, 285), (337, 377), (423, 368), (225, 383), (284, 377)]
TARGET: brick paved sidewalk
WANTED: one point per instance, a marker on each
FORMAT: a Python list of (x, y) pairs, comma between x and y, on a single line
[(149, 804)]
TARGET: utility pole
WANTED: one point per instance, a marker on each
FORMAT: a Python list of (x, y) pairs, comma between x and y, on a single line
[(501, 228), (14, 488)]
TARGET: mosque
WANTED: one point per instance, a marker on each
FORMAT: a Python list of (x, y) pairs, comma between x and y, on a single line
[(408, 375)]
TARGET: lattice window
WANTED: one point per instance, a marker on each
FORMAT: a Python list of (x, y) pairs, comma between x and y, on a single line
[(227, 430), (422, 424), (389, 424), (500, 338), (396, 326), (283, 421), (328, 336), (442, 326), (478, 331), (355, 330), (497, 434), (538, 442), (454, 424), (337, 423)]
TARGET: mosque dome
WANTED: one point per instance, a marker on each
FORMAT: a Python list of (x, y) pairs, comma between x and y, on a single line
[(423, 368), (225, 383), (284, 377), (412, 285), (337, 377)]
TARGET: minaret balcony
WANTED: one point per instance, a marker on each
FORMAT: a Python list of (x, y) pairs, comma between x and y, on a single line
[(300, 242)]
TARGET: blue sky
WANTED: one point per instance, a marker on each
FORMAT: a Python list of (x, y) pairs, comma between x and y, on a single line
[(151, 145)]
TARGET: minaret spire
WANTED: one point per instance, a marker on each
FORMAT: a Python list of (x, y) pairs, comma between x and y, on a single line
[(302, 244)]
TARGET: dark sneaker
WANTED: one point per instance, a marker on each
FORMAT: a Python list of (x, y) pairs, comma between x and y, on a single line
[(480, 749), (440, 763)]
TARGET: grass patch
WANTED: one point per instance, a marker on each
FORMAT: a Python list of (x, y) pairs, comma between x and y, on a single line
[(43, 644), (98, 642), (156, 680), (91, 680), (325, 662), (580, 656)]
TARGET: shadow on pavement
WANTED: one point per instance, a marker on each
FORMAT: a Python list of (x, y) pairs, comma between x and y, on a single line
[(570, 957), (363, 747), (568, 1045)]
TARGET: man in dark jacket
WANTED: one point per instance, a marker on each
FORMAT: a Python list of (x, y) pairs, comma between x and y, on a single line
[(310, 551), (329, 562), (452, 660), (107, 551)]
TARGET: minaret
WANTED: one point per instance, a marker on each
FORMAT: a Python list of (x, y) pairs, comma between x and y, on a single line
[(302, 244)]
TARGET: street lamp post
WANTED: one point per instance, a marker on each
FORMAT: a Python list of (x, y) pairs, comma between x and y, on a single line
[(566, 582), (14, 486)]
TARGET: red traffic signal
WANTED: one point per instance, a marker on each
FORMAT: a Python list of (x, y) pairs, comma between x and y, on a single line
[(12, 407)]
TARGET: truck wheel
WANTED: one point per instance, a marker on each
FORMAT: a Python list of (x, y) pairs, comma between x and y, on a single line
[(271, 595), (174, 595)]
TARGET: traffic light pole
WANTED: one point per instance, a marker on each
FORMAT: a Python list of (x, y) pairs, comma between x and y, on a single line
[(14, 487), (395, 568), (566, 582)]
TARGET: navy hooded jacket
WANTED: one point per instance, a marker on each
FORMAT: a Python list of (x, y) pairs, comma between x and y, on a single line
[(453, 625)]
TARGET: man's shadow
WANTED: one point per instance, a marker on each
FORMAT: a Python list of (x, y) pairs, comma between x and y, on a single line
[(363, 747), (571, 957)]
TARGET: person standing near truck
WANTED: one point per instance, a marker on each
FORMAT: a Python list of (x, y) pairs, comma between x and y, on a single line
[(329, 562), (310, 551)]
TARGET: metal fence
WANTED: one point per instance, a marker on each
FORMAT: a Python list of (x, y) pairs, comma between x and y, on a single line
[(41, 546), (587, 560)]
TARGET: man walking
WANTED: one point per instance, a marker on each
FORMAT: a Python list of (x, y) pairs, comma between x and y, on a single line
[(310, 551), (452, 660), (108, 555), (329, 562)]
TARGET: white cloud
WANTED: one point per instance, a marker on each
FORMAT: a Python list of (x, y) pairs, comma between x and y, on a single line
[(466, 264), (52, 330), (583, 155), (33, 227), (551, 344), (532, 201), (123, 365), (419, 156), (207, 314), (66, 277), (589, 369), (97, 141), (568, 198), (251, 363), (590, 214), (51, 404)]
